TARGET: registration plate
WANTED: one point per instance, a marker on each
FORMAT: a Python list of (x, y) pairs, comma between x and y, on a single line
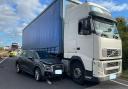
[(58, 71), (112, 76)]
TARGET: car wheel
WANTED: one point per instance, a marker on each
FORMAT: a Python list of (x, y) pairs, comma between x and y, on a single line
[(18, 69), (77, 73), (37, 74)]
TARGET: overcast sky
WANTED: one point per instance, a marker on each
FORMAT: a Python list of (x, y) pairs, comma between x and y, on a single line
[(16, 14)]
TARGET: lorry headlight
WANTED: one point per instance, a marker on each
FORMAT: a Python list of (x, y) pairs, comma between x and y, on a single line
[(104, 52)]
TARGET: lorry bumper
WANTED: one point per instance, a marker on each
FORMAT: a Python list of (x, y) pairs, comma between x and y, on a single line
[(101, 79), (107, 70)]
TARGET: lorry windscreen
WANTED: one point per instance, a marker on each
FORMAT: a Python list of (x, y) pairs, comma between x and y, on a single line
[(106, 28)]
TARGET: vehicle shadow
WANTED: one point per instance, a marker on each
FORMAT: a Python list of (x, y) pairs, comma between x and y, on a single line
[(64, 83), (74, 85), (57, 83)]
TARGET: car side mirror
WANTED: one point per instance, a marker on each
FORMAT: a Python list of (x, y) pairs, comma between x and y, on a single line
[(31, 58)]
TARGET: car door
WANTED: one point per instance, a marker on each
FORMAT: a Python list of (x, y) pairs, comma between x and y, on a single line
[(30, 62), (23, 59), (20, 59)]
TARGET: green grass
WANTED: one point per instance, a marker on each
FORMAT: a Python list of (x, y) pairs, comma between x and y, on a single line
[(125, 74)]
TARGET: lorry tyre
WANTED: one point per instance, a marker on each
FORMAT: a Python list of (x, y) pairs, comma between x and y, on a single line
[(37, 74), (77, 72)]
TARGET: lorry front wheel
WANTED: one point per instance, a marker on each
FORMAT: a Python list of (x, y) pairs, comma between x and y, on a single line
[(77, 72)]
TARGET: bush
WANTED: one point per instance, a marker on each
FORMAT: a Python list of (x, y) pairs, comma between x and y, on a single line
[(124, 36), (125, 58), (123, 30), (3, 54), (1, 48)]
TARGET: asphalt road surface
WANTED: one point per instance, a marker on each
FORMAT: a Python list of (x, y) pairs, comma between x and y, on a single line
[(9, 79)]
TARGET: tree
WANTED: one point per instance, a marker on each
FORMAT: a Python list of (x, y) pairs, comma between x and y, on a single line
[(123, 30), (1, 48), (121, 24)]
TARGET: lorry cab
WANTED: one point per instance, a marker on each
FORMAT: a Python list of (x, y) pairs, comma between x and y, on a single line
[(91, 36)]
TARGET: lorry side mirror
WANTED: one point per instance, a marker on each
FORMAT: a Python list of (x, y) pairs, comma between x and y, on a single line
[(85, 32), (84, 27)]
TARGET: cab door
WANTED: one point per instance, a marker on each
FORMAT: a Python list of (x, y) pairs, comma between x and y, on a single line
[(85, 42)]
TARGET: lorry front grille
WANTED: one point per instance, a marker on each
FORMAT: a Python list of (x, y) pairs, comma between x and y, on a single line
[(112, 71), (113, 52), (112, 67), (112, 64)]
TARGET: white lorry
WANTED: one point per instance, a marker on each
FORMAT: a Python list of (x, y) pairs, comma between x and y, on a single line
[(83, 35)]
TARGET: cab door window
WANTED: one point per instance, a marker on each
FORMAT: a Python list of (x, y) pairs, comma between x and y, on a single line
[(84, 27)]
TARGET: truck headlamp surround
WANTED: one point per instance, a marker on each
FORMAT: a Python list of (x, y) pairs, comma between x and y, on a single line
[(104, 52)]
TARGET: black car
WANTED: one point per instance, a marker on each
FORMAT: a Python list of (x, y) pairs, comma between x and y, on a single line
[(40, 64)]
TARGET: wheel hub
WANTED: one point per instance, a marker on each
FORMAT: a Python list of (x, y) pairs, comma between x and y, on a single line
[(77, 72), (37, 75), (17, 68)]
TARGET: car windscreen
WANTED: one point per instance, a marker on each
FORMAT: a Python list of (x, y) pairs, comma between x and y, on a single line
[(43, 55)]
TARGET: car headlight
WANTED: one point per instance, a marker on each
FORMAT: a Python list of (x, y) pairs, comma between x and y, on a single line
[(48, 67)]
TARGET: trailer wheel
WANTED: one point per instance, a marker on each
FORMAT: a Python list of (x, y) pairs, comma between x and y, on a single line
[(77, 72)]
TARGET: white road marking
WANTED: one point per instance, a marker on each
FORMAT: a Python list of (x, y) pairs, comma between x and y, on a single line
[(3, 60), (123, 80), (119, 83)]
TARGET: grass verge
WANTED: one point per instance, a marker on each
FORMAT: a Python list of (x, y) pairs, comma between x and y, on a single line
[(125, 74), (3, 54)]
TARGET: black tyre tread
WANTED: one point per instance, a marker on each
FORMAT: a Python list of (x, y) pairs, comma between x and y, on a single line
[(41, 78), (81, 80), (19, 68)]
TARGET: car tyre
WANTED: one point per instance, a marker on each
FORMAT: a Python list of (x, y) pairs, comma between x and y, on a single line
[(18, 69), (37, 74), (77, 73)]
